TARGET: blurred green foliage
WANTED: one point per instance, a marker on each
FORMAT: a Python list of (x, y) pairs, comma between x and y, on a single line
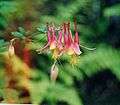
[(98, 26)]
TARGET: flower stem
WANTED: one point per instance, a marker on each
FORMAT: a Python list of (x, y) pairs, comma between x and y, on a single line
[(91, 49)]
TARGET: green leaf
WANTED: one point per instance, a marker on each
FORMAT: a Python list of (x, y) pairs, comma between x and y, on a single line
[(42, 29), (102, 58), (21, 30), (3, 45), (112, 11), (18, 34), (53, 92)]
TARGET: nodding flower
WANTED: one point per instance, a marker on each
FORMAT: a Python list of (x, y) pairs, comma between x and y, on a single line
[(71, 45), (53, 39), (61, 41), (56, 44)]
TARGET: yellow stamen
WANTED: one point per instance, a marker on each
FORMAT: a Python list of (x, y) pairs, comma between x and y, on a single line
[(55, 54), (74, 59)]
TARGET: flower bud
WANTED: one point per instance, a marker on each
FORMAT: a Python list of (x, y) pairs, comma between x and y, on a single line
[(54, 72), (11, 50)]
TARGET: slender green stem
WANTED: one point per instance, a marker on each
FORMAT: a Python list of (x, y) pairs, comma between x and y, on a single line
[(91, 49), (55, 62)]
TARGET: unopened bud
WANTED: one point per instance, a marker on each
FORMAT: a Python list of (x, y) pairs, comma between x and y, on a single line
[(54, 72), (11, 50)]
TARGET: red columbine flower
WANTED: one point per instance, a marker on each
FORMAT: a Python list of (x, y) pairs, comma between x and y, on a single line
[(53, 39), (71, 45), (76, 40), (54, 43), (61, 42), (76, 47), (57, 46)]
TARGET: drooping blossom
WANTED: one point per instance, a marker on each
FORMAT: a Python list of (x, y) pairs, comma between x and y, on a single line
[(60, 42), (57, 46), (71, 44), (54, 43)]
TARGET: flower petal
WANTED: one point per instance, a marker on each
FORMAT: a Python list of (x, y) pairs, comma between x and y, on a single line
[(52, 45), (76, 48), (70, 51), (76, 38), (53, 40), (59, 43)]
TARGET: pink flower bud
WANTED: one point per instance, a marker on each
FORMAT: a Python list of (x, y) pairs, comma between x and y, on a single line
[(54, 72)]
